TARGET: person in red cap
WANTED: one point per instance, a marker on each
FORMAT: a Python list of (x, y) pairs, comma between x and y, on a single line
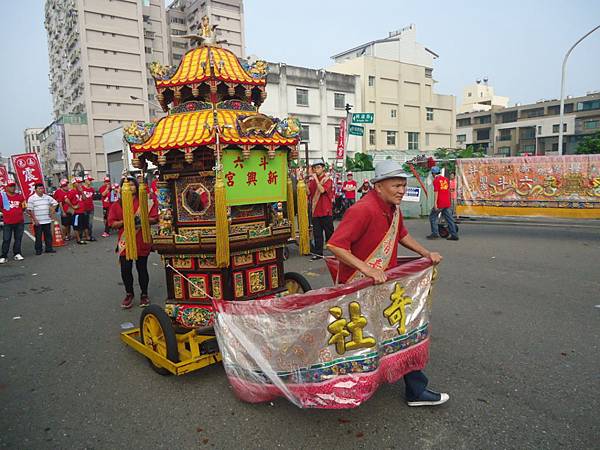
[(12, 207), (115, 220), (349, 188), (75, 198), (66, 212), (105, 191), (88, 202)]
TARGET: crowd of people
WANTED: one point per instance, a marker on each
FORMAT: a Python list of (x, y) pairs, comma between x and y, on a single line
[(330, 198)]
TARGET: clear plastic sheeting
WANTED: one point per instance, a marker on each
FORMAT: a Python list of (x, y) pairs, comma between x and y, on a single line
[(329, 348)]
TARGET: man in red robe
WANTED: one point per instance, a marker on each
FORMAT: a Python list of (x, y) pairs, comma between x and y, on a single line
[(321, 196), (366, 244)]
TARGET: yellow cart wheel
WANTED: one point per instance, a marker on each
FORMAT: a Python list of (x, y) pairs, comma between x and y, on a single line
[(158, 334), (296, 283)]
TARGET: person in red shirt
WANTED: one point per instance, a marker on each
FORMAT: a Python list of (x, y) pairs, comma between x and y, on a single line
[(76, 200), (66, 214), (366, 243), (105, 191), (88, 202), (321, 196), (154, 186), (12, 205), (349, 188), (441, 204), (115, 220)]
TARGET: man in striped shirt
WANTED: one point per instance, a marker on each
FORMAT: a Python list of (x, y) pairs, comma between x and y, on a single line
[(41, 208)]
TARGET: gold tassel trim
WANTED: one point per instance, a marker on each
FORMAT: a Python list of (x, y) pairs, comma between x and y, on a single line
[(222, 224), (144, 216), (291, 210), (129, 230), (304, 239)]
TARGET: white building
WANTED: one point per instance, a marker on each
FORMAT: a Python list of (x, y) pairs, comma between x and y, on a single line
[(397, 84), (317, 98), (480, 97), (185, 16), (32, 143), (99, 54)]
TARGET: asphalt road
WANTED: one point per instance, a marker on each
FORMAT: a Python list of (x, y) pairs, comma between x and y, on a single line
[(514, 341)]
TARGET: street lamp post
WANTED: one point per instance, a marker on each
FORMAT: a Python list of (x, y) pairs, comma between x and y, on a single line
[(156, 105), (562, 89)]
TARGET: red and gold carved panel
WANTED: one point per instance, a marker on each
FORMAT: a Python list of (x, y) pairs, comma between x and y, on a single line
[(274, 276), (267, 255), (178, 286), (183, 262), (256, 280), (207, 262), (198, 286), (243, 260), (217, 287), (238, 284)]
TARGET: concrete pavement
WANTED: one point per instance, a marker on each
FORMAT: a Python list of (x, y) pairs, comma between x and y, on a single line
[(514, 341)]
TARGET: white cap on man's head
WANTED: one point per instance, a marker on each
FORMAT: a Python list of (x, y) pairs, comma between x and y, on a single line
[(389, 169)]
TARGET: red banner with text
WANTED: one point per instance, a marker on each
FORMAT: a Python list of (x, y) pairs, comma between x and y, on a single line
[(3, 177), (341, 143), (28, 171)]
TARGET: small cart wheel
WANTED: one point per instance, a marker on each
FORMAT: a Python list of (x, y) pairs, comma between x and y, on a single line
[(296, 283), (157, 333)]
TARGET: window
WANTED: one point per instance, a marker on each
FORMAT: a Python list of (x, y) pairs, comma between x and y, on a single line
[(428, 73), (528, 133), (391, 137), (302, 97), (372, 137), (339, 101), (505, 151), (463, 122), (485, 119), (556, 126), (336, 133), (461, 138), (469, 94), (393, 113), (483, 135), (148, 50), (529, 149), (586, 106), (304, 133), (429, 113), (426, 139), (371, 81), (591, 124), (539, 129), (413, 141)]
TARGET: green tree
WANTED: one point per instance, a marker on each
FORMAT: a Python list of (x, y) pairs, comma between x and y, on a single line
[(589, 145), (446, 156), (361, 162)]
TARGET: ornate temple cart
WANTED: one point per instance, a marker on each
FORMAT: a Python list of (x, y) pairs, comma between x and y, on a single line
[(226, 207)]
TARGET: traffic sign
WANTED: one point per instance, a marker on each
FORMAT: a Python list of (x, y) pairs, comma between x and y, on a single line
[(362, 118), (356, 130)]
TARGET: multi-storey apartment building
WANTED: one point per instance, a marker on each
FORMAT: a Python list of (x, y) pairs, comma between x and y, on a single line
[(317, 98), (32, 143), (530, 129), (397, 84), (99, 53), (185, 17), (480, 97)]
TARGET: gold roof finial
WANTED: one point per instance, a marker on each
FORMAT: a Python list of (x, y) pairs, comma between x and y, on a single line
[(207, 35)]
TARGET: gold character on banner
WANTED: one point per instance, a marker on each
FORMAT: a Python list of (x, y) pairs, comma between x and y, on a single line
[(340, 329), (396, 313)]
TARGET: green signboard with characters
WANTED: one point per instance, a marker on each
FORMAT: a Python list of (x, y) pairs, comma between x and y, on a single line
[(257, 179)]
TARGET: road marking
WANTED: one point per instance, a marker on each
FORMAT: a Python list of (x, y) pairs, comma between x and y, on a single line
[(30, 236)]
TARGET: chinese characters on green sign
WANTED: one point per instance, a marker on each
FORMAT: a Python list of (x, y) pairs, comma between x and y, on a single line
[(362, 117), (257, 179)]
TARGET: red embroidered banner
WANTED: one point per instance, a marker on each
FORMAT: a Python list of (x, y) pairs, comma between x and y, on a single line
[(28, 171), (329, 348), (341, 143)]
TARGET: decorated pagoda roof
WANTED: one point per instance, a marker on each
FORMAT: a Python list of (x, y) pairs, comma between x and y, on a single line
[(193, 125), (209, 62)]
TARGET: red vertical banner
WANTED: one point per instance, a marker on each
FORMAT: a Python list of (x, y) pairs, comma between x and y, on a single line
[(28, 171), (3, 177), (341, 143)]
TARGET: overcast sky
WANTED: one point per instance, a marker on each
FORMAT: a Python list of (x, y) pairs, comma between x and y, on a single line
[(518, 45)]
